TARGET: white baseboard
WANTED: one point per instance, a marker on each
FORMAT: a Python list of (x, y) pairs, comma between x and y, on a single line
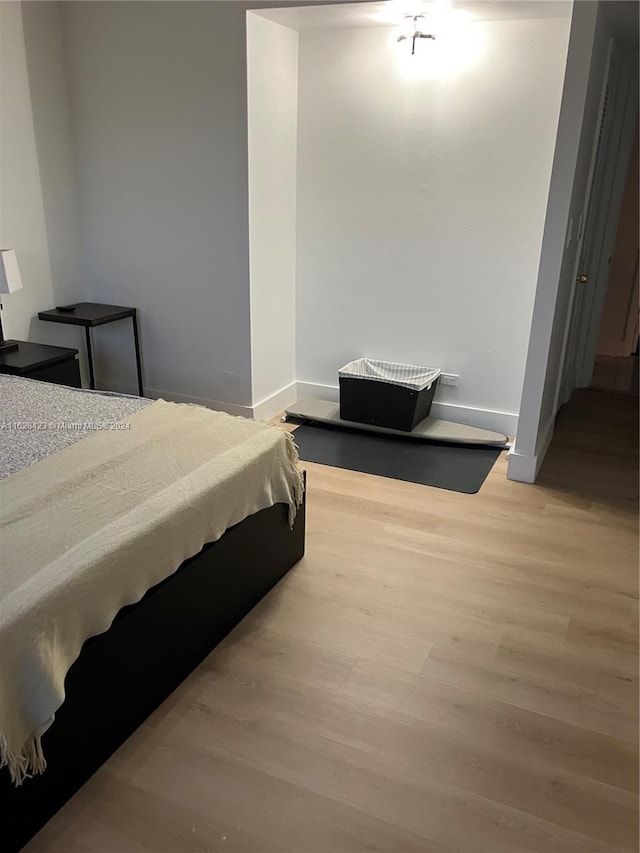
[(155, 394), (504, 422), (524, 467), (278, 402), (309, 390), (521, 467)]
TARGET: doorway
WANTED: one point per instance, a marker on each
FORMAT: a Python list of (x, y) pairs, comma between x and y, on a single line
[(603, 329), (616, 361)]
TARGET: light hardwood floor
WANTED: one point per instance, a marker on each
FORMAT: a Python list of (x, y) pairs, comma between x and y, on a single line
[(442, 672)]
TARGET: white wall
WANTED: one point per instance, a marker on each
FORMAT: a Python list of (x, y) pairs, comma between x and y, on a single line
[(38, 216), (159, 106), (421, 206), (272, 90), (572, 158)]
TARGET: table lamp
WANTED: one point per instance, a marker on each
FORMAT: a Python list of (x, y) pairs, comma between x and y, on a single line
[(10, 281)]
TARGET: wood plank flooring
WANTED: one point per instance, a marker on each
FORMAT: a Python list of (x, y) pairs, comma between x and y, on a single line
[(442, 672)]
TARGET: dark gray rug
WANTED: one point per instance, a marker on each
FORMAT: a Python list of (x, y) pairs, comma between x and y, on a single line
[(444, 466)]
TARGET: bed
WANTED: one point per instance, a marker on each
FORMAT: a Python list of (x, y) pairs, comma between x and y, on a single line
[(136, 535)]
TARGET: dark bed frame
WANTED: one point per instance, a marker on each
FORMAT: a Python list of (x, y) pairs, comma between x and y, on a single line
[(123, 675)]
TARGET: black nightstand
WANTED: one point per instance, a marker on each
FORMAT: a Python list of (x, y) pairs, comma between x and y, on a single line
[(91, 314), (43, 362)]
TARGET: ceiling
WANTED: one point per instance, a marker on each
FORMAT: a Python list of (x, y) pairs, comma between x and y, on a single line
[(385, 14)]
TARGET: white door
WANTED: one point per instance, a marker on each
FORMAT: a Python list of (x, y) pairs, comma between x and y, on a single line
[(618, 330), (590, 232), (596, 236)]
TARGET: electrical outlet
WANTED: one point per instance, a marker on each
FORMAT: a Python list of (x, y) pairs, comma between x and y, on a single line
[(232, 379), (449, 379)]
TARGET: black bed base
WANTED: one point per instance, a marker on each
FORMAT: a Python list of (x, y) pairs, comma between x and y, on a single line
[(121, 676)]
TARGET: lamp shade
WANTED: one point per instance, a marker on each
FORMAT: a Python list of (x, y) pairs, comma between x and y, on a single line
[(10, 280)]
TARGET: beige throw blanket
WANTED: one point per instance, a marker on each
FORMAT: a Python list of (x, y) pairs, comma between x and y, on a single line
[(93, 527)]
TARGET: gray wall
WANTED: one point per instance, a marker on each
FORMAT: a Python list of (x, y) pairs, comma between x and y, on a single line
[(158, 95), (38, 212)]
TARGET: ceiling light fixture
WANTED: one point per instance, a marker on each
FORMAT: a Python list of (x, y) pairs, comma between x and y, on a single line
[(413, 29)]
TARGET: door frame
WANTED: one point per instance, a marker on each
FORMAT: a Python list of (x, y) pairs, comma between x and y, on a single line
[(626, 121), (603, 200)]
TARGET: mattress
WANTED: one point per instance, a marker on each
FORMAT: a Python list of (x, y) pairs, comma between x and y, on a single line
[(39, 418), (103, 515)]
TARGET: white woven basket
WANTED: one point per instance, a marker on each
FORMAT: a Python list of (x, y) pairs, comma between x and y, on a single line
[(407, 375)]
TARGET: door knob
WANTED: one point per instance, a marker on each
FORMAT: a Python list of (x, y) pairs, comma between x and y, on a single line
[(583, 279)]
